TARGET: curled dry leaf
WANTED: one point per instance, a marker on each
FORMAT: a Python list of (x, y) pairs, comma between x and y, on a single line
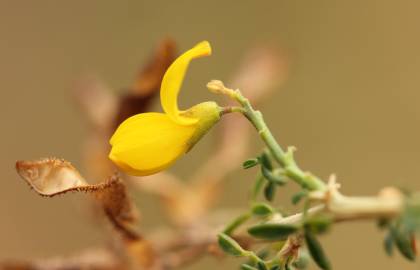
[(50, 177)]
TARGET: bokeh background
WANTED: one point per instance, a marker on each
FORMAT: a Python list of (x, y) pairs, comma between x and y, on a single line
[(350, 104)]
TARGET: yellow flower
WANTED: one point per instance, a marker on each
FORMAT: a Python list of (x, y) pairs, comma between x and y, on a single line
[(147, 143)]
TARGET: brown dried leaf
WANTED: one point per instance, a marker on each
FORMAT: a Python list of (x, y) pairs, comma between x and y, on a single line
[(50, 177)]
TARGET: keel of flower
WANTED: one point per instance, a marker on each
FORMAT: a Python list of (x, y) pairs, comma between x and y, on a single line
[(147, 143)]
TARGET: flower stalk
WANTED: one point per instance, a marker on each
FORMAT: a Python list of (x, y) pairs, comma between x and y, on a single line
[(284, 158)]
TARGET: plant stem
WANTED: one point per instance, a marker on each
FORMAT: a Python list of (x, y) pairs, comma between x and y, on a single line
[(284, 159)]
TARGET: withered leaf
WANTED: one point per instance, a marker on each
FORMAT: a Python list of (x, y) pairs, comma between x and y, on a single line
[(50, 177)]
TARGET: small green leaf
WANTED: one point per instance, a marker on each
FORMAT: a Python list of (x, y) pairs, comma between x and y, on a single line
[(299, 196), (262, 209), (275, 267), (261, 266), (389, 244), (269, 191), (273, 231), (230, 246), (236, 223), (247, 267), (272, 177), (250, 163), (265, 161), (403, 243), (316, 251)]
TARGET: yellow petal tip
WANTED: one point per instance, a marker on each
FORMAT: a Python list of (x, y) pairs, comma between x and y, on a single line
[(204, 48)]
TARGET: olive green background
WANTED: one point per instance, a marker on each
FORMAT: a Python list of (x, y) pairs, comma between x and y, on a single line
[(350, 104)]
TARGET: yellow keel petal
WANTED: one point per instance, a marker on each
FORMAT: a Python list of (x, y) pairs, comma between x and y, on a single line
[(172, 82), (150, 142)]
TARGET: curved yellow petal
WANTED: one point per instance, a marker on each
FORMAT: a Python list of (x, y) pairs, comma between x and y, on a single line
[(172, 81), (149, 142)]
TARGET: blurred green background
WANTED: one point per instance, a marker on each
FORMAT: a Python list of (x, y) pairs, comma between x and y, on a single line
[(350, 104)]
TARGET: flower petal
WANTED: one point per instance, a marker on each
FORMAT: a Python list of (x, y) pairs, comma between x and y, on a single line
[(172, 82), (149, 142)]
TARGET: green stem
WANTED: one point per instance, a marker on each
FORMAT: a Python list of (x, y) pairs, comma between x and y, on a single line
[(284, 159)]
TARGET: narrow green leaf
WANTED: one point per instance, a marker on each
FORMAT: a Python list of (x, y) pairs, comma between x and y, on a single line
[(403, 243), (275, 267), (250, 163), (316, 251), (272, 177), (269, 191), (389, 244), (236, 223), (273, 231), (230, 246), (265, 161), (247, 267), (262, 209), (261, 266), (299, 196)]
